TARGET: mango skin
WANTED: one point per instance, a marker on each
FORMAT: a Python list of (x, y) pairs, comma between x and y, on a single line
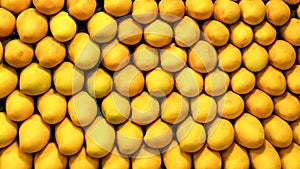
[(8, 130)]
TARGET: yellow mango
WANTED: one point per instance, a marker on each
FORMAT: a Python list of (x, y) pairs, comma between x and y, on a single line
[(82, 160), (31, 25), (241, 34), (146, 158), (52, 107), (278, 132), (174, 157), (242, 81), (173, 58), (186, 32), (158, 33), (188, 82), (291, 2), (282, 55), (115, 160), (216, 82), (144, 15), (271, 81), (15, 6), (296, 131), (190, 135), (115, 108), (99, 83), (158, 134), (249, 132), (290, 30), (145, 57), (82, 109), (8, 130), (8, 80), (1, 52), (230, 105), (199, 9), (287, 106), (81, 9), (18, 54), (69, 137), (144, 109), (207, 158), (289, 156), (115, 56), (129, 137), (18, 102), (34, 134), (226, 11), (229, 57), (68, 79), (50, 158), (102, 27), (48, 8), (264, 157), (215, 32), (12, 157), (220, 134), (259, 103), (35, 80), (117, 8), (159, 83), (129, 31), (129, 81), (252, 11), (202, 57), (50, 52), (235, 157), (99, 144), (171, 10), (203, 108), (264, 33), (174, 108), (293, 83), (277, 12), (7, 23)]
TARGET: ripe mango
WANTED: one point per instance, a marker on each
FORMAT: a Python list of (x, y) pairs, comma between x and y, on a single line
[(69, 137), (8, 130), (50, 158), (207, 158), (215, 32), (49, 52), (226, 11), (18, 102), (229, 57), (199, 9), (186, 32), (242, 81), (252, 11), (115, 108), (144, 109), (289, 156), (48, 8), (203, 108), (146, 158), (129, 137), (8, 80), (68, 79), (34, 134), (171, 10), (145, 57), (173, 58), (98, 83), (15, 6), (144, 15), (35, 80), (235, 157), (31, 25), (52, 107), (241, 34), (191, 135), (287, 106), (230, 105), (216, 82), (249, 132), (13, 157), (81, 9), (158, 134), (115, 160), (129, 81), (296, 131), (277, 12), (271, 81), (293, 83), (7, 23), (82, 160), (174, 157), (18, 54), (130, 32), (159, 83), (117, 8), (291, 26), (264, 33), (174, 108), (158, 33)]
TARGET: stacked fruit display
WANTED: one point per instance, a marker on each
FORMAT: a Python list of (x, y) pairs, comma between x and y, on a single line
[(147, 84)]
